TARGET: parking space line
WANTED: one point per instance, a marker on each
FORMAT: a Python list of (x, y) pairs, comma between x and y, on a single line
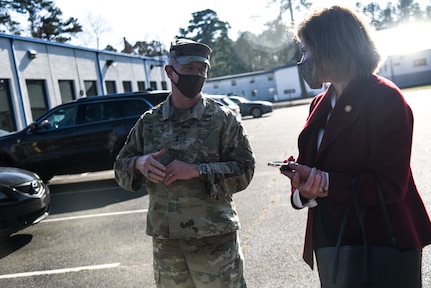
[(60, 271), (94, 215)]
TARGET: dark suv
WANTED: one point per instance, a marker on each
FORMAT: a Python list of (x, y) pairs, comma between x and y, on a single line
[(84, 135)]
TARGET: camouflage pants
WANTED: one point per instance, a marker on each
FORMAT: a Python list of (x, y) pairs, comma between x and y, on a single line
[(209, 262)]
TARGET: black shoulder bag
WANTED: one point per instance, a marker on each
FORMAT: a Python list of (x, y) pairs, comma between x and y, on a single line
[(350, 266)]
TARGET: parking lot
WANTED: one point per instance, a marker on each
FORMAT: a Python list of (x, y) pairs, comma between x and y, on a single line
[(95, 234)]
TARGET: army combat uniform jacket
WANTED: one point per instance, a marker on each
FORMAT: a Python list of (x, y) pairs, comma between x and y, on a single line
[(207, 134)]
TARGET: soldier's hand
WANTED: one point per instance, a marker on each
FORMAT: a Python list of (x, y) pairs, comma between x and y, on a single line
[(150, 167), (178, 170)]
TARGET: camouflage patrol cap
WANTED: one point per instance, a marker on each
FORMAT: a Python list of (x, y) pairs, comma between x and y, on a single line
[(185, 51)]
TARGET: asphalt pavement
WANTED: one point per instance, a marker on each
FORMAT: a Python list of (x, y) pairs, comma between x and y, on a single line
[(95, 234)]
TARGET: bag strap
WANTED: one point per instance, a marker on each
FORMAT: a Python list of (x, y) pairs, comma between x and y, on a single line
[(392, 240), (367, 273), (339, 240)]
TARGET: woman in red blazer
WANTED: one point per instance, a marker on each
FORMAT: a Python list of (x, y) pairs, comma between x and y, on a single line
[(359, 128)]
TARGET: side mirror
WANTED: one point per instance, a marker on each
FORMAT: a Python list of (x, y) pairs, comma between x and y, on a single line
[(33, 127)]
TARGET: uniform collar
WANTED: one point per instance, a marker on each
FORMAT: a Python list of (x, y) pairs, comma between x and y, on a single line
[(169, 112)]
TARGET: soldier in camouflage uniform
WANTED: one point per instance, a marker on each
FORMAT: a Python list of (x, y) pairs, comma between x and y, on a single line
[(192, 155)]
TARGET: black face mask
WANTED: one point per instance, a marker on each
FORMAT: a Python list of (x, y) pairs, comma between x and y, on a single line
[(189, 85), (306, 71)]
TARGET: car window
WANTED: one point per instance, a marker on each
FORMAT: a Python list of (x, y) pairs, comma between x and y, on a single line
[(93, 112), (133, 107), (155, 99), (111, 110), (63, 117), (103, 111)]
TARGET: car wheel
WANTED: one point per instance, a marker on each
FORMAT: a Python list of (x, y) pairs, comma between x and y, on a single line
[(256, 113)]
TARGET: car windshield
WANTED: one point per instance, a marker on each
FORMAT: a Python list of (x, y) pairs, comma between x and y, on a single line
[(240, 99), (228, 101)]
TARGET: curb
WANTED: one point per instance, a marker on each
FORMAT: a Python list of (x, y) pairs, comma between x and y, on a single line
[(290, 103)]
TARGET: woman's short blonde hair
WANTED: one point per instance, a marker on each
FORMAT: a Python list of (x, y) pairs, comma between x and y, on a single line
[(340, 42)]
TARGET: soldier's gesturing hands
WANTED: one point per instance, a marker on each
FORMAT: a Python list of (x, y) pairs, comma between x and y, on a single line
[(149, 166)]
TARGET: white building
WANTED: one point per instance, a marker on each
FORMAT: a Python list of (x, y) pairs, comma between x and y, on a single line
[(282, 83), (37, 75), (408, 54), (276, 84), (407, 64), (408, 70)]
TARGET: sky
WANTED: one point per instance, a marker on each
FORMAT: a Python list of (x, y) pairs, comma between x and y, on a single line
[(161, 20)]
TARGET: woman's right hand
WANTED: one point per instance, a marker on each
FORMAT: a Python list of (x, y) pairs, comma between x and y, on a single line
[(310, 182)]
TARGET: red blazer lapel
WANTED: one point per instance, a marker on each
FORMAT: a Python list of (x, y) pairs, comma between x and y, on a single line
[(320, 108), (345, 112)]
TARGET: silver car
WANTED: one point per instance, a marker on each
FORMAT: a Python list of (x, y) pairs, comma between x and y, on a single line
[(224, 100)]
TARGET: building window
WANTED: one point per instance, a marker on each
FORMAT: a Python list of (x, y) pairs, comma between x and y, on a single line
[(127, 86), (6, 111), (153, 85), (253, 93), (37, 97), (90, 88), (420, 62), (289, 91), (110, 87), (270, 77), (164, 85), (233, 82), (141, 85), (67, 91)]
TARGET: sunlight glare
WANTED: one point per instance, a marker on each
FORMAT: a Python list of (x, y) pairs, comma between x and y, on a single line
[(406, 39)]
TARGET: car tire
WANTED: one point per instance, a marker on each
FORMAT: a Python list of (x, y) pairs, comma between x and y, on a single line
[(256, 112)]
